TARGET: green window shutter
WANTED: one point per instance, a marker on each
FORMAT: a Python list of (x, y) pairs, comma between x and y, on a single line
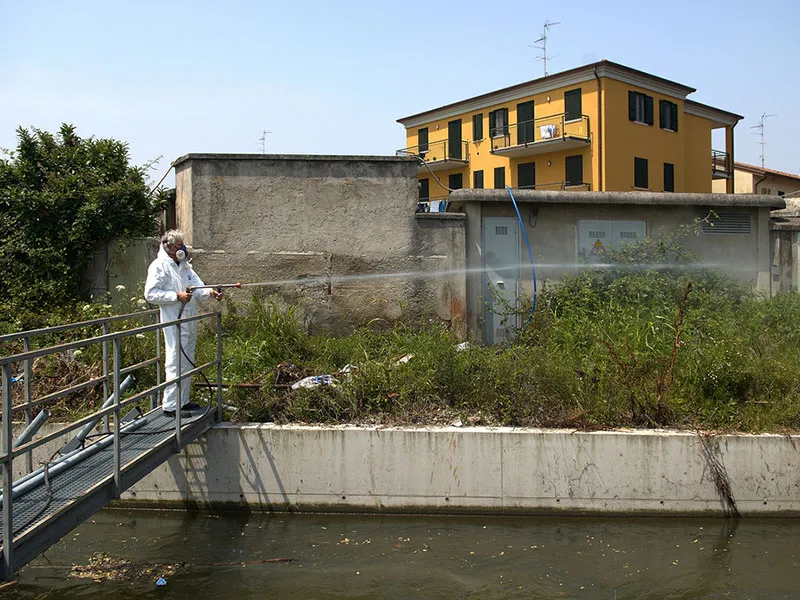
[(424, 188), (505, 121), (631, 105), (492, 125), (663, 116), (572, 105), (648, 110), (455, 181), (499, 178), (422, 140), (674, 110), (477, 180), (526, 175), (640, 173), (573, 167), (477, 127), (669, 177)]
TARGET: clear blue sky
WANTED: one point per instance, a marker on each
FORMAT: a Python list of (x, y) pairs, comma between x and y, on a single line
[(175, 77)]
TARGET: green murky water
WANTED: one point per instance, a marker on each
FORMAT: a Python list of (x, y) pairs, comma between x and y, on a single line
[(349, 556)]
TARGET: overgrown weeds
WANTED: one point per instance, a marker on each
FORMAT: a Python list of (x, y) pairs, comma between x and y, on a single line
[(669, 345)]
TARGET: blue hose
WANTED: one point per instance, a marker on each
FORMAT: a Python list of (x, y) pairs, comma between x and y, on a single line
[(530, 255)]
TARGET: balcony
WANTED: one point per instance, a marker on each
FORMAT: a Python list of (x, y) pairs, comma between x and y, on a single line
[(546, 134), (432, 204), (720, 165), (439, 156)]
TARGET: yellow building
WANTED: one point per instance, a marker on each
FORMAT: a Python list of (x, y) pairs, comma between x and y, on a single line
[(600, 127)]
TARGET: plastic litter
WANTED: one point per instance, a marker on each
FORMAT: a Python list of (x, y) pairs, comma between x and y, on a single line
[(161, 582), (403, 360), (463, 346), (316, 381)]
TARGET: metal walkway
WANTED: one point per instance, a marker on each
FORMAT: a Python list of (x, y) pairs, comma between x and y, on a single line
[(47, 506)]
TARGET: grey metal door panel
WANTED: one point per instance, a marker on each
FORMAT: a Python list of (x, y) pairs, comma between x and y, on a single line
[(501, 277)]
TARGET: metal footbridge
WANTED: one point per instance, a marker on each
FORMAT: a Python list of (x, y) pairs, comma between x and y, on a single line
[(107, 451)]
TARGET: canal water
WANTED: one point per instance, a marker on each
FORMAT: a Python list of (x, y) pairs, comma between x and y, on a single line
[(360, 556)]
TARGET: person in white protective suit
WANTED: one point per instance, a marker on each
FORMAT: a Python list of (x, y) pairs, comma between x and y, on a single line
[(168, 278)]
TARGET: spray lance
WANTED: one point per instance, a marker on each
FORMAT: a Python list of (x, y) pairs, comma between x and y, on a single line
[(218, 287)]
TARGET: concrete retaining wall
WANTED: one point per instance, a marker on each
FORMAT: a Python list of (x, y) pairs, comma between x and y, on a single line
[(475, 470)]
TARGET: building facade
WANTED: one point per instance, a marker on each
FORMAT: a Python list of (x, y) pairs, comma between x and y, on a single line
[(751, 179), (600, 127)]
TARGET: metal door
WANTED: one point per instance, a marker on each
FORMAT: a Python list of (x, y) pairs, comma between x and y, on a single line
[(500, 278)]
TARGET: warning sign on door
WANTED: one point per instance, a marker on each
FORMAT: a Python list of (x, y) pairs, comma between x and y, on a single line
[(598, 247)]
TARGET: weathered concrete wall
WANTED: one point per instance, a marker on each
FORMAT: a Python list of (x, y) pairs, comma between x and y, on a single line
[(119, 262), (552, 222), (462, 470), (268, 218)]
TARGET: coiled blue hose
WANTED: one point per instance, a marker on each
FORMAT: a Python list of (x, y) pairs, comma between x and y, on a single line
[(530, 255)]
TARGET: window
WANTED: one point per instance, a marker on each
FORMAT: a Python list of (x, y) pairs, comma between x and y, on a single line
[(499, 178), (525, 123), (477, 180), (422, 140), (526, 175), (424, 190), (668, 115), (640, 173), (498, 122), (477, 127), (669, 177), (455, 181), (573, 170), (640, 107), (572, 105)]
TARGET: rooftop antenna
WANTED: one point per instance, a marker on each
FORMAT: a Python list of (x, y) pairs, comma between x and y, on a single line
[(760, 128), (263, 140), (543, 41)]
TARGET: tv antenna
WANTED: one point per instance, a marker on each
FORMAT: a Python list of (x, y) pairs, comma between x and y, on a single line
[(263, 140), (541, 43), (760, 128)]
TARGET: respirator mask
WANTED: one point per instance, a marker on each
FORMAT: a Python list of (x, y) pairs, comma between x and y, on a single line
[(181, 253)]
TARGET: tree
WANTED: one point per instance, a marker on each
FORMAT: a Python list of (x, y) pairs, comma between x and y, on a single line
[(59, 196)]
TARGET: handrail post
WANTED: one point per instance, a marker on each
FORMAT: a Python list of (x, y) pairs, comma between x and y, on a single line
[(105, 373), (8, 475), (117, 440), (159, 367), (28, 374), (179, 395), (219, 367)]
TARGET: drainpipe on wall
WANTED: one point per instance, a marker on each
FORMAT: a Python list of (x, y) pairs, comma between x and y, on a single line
[(600, 164)]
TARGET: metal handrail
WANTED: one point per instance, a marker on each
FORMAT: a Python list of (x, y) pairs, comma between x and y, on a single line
[(26, 337), (8, 452), (437, 151), (8, 337), (542, 129)]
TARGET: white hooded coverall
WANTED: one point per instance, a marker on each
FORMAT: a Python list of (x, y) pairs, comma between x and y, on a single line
[(165, 279)]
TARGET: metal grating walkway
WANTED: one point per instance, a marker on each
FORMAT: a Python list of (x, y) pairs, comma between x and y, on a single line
[(83, 488)]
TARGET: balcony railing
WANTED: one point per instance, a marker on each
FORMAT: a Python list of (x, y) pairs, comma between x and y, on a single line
[(440, 155), (545, 134), (559, 185), (720, 165)]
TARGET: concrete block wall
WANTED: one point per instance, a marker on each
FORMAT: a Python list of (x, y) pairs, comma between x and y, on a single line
[(319, 222)]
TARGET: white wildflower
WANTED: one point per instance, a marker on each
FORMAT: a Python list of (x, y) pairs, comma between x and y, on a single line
[(141, 303), (120, 288)]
